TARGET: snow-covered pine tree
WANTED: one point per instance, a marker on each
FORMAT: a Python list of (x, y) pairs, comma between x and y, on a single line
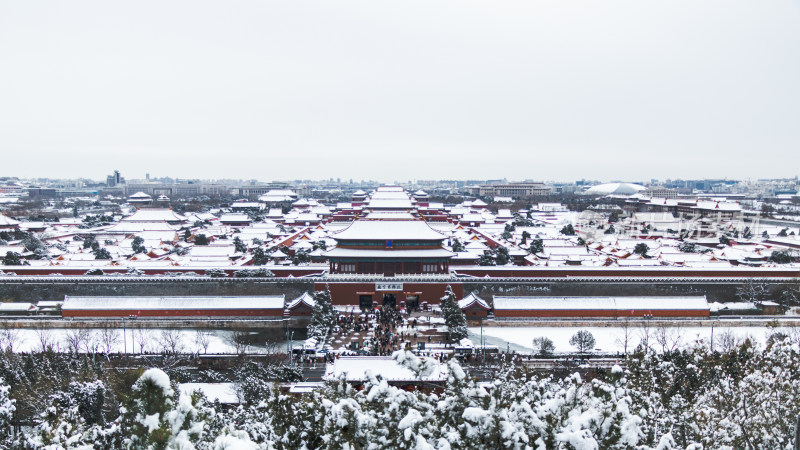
[(239, 245), (144, 419), (392, 417), (453, 316), (537, 246), (597, 415), (138, 245), (460, 395), (188, 420), (59, 426), (7, 409), (755, 408), (501, 256), (89, 397), (487, 259), (323, 316)]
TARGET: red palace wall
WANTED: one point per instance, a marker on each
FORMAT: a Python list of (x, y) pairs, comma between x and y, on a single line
[(175, 313), (300, 311), (599, 313), (349, 293), (475, 313)]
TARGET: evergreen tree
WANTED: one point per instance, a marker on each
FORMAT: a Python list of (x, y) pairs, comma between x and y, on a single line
[(537, 246), (101, 253), (34, 244), (240, 246), (138, 245), (88, 241), (144, 421), (60, 426), (457, 246), (641, 249), (89, 398), (201, 239), (501, 256), (487, 259), (260, 257), (323, 316), (301, 257), (253, 273), (453, 316), (12, 259), (780, 257), (7, 409), (568, 230)]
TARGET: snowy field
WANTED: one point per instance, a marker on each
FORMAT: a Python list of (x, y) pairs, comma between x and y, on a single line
[(135, 340), (609, 339)]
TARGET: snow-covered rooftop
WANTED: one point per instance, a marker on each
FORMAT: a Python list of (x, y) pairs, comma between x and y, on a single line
[(389, 230), (339, 252), (154, 215), (87, 303), (601, 303)]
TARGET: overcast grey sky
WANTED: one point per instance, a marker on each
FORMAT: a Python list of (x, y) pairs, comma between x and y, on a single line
[(404, 89)]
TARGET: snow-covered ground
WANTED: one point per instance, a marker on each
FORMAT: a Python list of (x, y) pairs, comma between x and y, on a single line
[(609, 339), (155, 340)]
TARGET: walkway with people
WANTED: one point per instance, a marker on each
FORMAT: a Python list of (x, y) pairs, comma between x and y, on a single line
[(382, 331)]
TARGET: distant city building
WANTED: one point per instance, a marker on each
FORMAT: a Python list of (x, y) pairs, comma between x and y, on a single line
[(39, 192), (176, 190), (115, 179), (659, 192), (615, 189), (514, 190), (254, 190)]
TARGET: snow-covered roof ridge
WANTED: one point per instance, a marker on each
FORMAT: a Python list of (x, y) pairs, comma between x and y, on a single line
[(154, 215), (306, 298), (471, 299), (7, 221), (417, 230)]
